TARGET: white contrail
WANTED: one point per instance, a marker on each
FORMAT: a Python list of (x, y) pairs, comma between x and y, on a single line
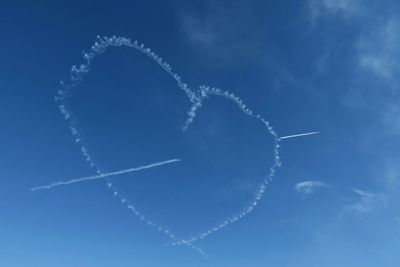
[(297, 135), (103, 175)]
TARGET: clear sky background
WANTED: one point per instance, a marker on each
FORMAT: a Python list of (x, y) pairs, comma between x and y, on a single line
[(315, 65)]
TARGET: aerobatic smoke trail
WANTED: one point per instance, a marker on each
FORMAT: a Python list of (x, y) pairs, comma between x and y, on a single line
[(77, 75), (297, 135), (205, 91), (196, 97), (103, 175)]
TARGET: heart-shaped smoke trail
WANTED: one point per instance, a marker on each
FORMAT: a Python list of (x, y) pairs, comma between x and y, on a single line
[(195, 97)]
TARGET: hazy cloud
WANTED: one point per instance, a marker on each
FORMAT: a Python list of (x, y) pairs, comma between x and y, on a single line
[(226, 32), (200, 31), (379, 50), (319, 8), (390, 176), (379, 53), (366, 202)]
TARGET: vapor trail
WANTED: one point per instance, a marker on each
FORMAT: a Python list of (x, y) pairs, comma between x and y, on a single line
[(103, 175), (298, 135)]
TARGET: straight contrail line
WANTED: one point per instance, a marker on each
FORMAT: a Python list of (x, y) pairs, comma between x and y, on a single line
[(298, 135), (103, 175)]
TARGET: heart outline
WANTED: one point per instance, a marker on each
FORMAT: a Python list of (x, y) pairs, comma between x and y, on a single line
[(195, 97)]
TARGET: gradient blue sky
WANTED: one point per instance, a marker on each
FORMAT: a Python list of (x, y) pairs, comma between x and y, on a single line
[(324, 65)]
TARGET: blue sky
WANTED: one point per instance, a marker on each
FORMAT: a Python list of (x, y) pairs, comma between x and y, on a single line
[(316, 65)]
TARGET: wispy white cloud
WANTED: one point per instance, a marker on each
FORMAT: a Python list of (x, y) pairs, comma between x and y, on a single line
[(376, 54), (213, 31), (379, 50), (320, 8), (307, 188), (339, 4), (224, 32), (373, 54), (366, 202), (363, 194)]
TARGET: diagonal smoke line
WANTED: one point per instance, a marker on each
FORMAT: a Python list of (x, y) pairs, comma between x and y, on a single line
[(297, 135), (103, 175)]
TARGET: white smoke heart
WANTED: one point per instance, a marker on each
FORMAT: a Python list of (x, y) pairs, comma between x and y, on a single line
[(196, 98)]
